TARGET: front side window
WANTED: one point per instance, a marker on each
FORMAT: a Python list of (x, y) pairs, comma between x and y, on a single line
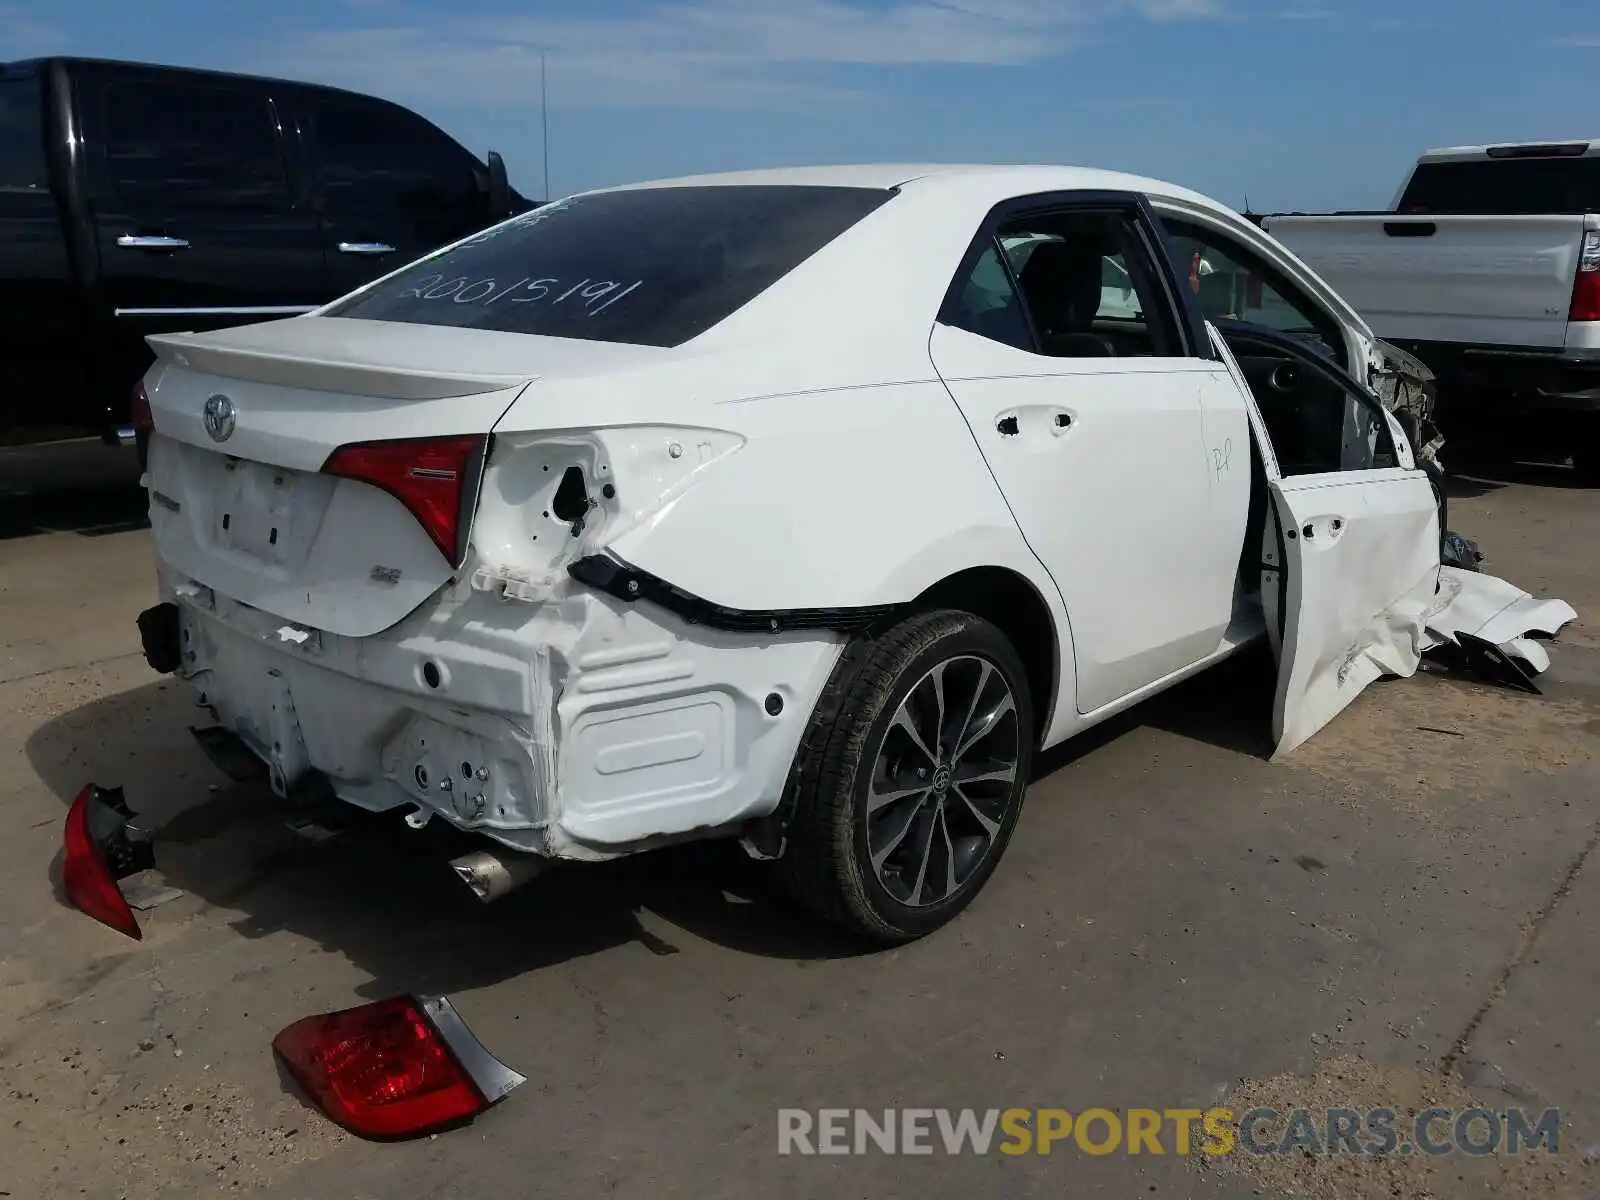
[(22, 165), (1078, 284), (377, 160), (1318, 419), (650, 266), (190, 145), (1232, 284)]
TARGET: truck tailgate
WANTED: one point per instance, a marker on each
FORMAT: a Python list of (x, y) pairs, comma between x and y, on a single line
[(1490, 280)]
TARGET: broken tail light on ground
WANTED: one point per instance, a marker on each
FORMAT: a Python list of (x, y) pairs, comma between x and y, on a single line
[(97, 851), (394, 1069)]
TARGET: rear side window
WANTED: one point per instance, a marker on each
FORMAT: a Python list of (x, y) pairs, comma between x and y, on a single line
[(1505, 186), (652, 266), (190, 145), (21, 134), (379, 161), (987, 303), (1071, 285)]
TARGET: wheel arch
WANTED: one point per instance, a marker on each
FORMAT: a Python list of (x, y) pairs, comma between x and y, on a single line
[(1010, 602)]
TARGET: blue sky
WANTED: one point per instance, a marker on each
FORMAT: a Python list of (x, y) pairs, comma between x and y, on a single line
[(1296, 103)]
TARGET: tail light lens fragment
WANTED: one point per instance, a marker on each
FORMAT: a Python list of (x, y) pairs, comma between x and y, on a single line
[(398, 1068)]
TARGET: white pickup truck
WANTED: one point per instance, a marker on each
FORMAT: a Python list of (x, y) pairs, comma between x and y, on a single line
[(1488, 270)]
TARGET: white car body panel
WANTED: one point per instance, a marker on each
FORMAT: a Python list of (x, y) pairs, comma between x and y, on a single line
[(1497, 612), (804, 453), (1362, 561), (595, 726), (1053, 474)]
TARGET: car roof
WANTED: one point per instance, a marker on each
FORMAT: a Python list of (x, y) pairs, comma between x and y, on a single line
[(1002, 180)]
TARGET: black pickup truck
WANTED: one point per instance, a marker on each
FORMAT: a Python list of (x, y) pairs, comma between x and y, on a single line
[(139, 199)]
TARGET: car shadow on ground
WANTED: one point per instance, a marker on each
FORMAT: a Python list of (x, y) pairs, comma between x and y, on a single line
[(70, 487), (1474, 477), (382, 894)]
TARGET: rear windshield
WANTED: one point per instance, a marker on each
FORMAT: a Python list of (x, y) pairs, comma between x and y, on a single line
[(1507, 186), (654, 266)]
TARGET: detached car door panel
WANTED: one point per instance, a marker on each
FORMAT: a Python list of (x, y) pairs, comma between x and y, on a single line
[(1092, 421), (1351, 561), (1362, 559)]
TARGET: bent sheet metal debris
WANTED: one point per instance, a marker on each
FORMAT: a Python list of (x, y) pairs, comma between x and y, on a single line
[(1432, 615)]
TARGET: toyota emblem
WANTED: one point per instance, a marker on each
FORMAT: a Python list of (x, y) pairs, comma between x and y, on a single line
[(219, 416)]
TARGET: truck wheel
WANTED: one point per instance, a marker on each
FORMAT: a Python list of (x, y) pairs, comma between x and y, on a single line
[(907, 797)]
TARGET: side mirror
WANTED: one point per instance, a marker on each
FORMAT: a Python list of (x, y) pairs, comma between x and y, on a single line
[(499, 188)]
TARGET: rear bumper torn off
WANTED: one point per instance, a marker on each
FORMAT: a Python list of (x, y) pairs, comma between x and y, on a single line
[(578, 728)]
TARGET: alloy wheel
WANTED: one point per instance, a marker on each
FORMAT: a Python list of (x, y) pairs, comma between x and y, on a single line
[(943, 780)]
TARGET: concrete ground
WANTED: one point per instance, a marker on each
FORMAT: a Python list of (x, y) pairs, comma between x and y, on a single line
[(1403, 912)]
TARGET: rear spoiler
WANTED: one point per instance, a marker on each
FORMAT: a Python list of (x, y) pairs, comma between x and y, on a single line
[(317, 369)]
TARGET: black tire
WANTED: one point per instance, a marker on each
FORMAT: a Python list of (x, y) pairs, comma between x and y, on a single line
[(827, 864)]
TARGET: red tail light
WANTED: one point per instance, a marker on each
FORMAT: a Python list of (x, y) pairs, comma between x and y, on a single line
[(96, 853), (435, 478), (395, 1069), (144, 421), (1586, 288)]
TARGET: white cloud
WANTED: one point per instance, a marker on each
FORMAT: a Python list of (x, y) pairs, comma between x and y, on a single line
[(1587, 42), (700, 53)]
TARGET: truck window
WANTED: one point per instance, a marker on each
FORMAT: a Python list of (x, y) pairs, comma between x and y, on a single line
[(183, 145), (378, 160), (22, 166), (1505, 187), (1232, 283)]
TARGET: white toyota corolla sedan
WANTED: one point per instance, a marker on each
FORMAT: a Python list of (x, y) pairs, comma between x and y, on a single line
[(802, 507)]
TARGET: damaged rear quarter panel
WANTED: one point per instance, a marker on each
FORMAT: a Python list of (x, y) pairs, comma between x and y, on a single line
[(840, 499)]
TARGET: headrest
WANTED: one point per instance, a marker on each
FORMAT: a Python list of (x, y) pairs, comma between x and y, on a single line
[(1061, 282)]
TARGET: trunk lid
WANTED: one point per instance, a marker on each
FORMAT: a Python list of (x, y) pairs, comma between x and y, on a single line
[(246, 418)]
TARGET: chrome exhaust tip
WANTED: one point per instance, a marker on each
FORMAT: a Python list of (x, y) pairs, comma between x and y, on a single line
[(491, 875)]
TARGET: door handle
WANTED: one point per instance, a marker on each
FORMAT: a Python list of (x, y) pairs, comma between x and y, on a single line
[(1009, 424), (365, 248), (147, 241)]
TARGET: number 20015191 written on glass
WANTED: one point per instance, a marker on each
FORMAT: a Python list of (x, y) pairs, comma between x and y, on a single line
[(594, 295)]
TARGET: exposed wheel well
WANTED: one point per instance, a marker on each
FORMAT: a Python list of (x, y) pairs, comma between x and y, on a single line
[(1012, 604)]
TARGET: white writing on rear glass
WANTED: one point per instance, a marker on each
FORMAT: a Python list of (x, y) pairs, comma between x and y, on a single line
[(588, 295)]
